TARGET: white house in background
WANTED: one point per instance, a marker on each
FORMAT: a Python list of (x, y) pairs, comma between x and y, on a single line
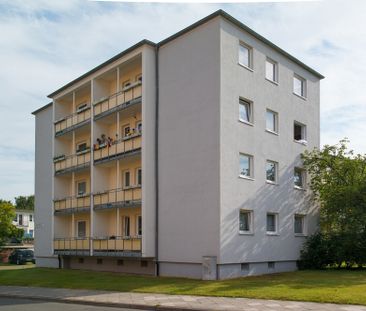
[(24, 219)]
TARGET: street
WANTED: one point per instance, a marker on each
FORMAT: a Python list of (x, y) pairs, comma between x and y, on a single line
[(15, 304)]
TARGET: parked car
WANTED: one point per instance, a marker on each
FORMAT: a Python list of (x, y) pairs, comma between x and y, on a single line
[(22, 256)]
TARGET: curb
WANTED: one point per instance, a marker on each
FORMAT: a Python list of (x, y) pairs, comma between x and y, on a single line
[(100, 304)]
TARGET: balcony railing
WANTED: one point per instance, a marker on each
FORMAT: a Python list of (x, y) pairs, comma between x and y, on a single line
[(118, 198), (117, 246), (72, 246), (72, 121), (118, 101), (72, 204), (64, 164), (118, 149)]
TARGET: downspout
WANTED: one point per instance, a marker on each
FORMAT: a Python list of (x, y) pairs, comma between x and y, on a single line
[(157, 268)]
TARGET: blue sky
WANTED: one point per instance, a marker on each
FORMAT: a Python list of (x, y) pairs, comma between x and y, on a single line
[(45, 44)]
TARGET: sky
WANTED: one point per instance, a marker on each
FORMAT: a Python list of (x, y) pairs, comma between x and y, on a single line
[(45, 44)]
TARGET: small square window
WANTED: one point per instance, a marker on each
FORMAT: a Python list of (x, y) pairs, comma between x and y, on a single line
[(126, 131), (126, 84), (271, 70), (246, 165), (120, 262), (245, 267), (245, 111), (299, 224), (299, 86), (271, 121), (300, 132), (144, 263), (271, 265), (299, 178), (80, 260), (82, 146), (99, 261), (272, 220), (245, 55), (245, 221), (271, 171)]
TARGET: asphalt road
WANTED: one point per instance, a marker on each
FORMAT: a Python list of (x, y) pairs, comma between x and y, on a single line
[(12, 304)]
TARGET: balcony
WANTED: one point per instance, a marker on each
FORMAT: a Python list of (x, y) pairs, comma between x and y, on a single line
[(116, 198), (118, 149), (117, 246), (65, 164), (73, 121), (74, 204), (72, 246), (129, 96)]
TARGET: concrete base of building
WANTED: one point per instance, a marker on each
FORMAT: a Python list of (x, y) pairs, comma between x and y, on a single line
[(47, 262), (108, 264)]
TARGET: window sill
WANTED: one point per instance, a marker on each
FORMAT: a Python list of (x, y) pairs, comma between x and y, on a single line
[(301, 235), (273, 82), (246, 177), (272, 233), (246, 122), (271, 132), (299, 96), (246, 67), (299, 188), (301, 142), (246, 233), (273, 183)]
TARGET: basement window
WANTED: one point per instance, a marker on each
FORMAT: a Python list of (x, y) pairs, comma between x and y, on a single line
[(99, 261), (80, 260), (120, 262), (144, 263)]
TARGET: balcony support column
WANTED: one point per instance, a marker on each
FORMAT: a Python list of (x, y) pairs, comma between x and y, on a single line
[(118, 224), (72, 225)]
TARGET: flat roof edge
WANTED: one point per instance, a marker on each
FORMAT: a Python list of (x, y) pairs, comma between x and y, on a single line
[(42, 108)]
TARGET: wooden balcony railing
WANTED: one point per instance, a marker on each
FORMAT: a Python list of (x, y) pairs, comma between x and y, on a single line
[(72, 121), (118, 198), (73, 245), (118, 148), (117, 244), (64, 164), (118, 100), (72, 204)]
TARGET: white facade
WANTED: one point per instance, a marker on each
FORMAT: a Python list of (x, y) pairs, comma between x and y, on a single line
[(24, 219), (225, 117)]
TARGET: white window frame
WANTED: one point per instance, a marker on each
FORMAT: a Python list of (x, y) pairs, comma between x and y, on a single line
[(250, 56), (276, 123), (82, 142), (77, 187), (276, 232), (304, 227), (137, 127), (138, 78), (303, 93), (243, 102), (303, 178), (77, 229), (251, 222), (275, 182), (125, 126), (303, 139), (251, 166), (126, 84), (275, 70)]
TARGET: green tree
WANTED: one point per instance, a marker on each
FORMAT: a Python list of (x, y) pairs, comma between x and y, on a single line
[(7, 214), (25, 202)]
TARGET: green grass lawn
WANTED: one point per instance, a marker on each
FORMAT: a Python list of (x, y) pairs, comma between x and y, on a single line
[(337, 286)]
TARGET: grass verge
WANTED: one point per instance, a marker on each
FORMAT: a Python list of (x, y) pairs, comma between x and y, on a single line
[(333, 286)]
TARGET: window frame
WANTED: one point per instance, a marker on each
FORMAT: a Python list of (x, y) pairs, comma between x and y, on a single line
[(78, 194), (276, 232), (250, 222), (304, 228), (137, 124), (77, 229), (250, 55), (124, 127), (276, 122), (303, 94), (126, 220), (303, 127), (242, 102), (138, 227), (303, 178), (139, 169), (124, 173), (275, 70), (78, 144), (251, 166), (275, 182)]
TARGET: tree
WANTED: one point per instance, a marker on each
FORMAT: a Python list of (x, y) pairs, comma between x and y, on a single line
[(7, 214), (25, 202)]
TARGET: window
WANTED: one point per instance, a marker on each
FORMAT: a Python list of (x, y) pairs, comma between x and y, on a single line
[(245, 267), (245, 55), (246, 165), (80, 260), (299, 224), (126, 226), (20, 219), (126, 179), (139, 225), (272, 223), (99, 261), (299, 177), (245, 111), (126, 130), (139, 127), (271, 70), (299, 86), (30, 217), (271, 171), (144, 263), (139, 77), (16, 218), (300, 132), (126, 84), (81, 187), (31, 233), (271, 121), (120, 262), (271, 265), (81, 146), (245, 221), (139, 177), (81, 229)]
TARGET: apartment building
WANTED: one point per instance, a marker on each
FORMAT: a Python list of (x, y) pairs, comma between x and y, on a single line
[(180, 158), (24, 219)]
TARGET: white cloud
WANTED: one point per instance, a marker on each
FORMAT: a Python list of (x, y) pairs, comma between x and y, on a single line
[(45, 44)]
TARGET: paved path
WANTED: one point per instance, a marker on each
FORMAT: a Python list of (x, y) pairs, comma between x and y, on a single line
[(166, 302)]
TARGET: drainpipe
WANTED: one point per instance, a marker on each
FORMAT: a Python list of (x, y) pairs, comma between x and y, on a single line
[(157, 268)]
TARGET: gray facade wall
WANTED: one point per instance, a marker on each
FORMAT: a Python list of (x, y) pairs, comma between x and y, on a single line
[(236, 137), (43, 213), (189, 150)]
